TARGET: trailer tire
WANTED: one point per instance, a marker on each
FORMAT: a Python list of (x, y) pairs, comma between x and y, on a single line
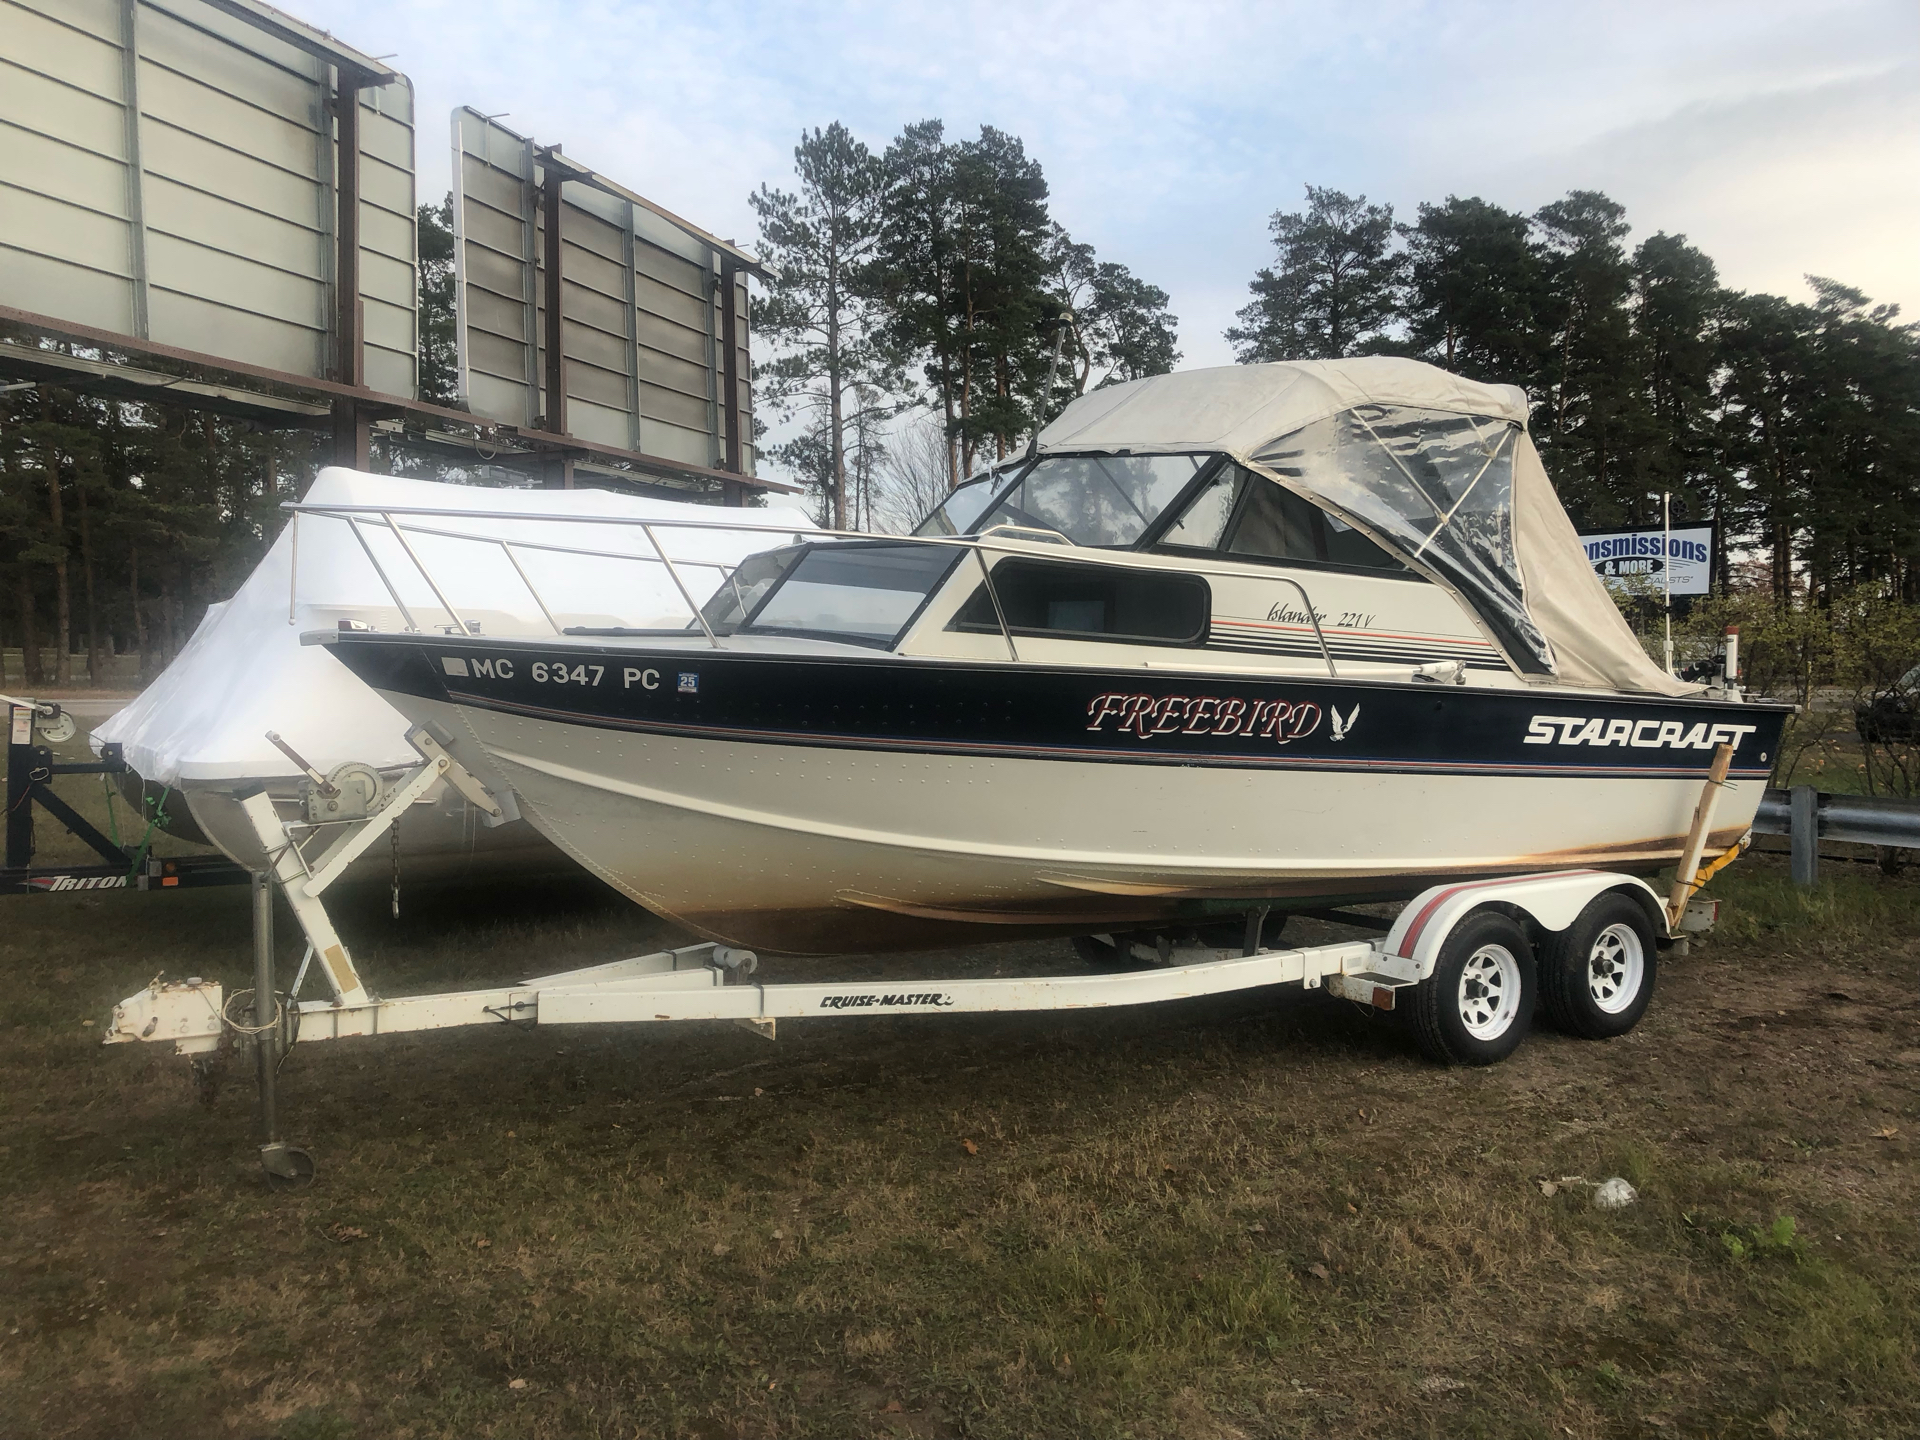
[(1597, 975), (1106, 957), (1477, 1006)]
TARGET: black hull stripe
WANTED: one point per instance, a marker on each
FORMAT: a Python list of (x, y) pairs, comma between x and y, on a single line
[(1090, 755)]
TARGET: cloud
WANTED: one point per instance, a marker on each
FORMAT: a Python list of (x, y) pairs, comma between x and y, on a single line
[(1779, 135)]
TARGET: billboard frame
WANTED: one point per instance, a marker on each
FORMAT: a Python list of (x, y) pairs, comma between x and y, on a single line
[(38, 347), (523, 313)]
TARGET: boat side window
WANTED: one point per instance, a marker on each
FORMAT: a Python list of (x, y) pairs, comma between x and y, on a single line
[(1250, 517), (1277, 524), (863, 592), (1092, 602)]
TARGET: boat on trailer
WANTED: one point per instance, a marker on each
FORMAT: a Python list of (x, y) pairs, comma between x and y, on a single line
[(1246, 639), (1231, 643)]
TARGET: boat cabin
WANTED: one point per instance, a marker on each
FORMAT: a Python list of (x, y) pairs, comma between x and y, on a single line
[(1370, 519)]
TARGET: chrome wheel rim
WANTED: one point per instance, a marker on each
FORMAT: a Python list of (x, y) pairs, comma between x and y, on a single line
[(1616, 968), (1489, 992)]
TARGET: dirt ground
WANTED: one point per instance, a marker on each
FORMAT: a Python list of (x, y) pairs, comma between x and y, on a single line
[(1262, 1215)]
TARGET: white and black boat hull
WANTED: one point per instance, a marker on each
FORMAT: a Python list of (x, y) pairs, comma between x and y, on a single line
[(818, 804)]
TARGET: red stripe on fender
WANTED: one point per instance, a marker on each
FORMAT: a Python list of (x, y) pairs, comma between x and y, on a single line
[(1412, 938)]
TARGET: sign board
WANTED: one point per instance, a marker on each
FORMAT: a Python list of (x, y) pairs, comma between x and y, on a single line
[(642, 311), (168, 171), (1632, 560)]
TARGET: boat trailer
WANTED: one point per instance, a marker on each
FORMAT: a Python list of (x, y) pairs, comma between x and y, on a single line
[(30, 769), (710, 981)]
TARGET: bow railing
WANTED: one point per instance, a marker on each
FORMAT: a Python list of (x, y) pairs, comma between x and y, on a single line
[(400, 521)]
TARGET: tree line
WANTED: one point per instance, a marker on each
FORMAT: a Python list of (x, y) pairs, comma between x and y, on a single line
[(120, 522), (1792, 426), (930, 275)]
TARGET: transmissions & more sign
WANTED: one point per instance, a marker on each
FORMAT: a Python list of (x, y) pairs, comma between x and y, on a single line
[(1631, 560)]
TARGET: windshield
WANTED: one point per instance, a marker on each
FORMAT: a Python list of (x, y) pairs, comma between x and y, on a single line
[(960, 509), (1095, 499), (863, 592)]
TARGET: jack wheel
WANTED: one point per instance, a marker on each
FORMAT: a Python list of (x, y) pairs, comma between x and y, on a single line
[(292, 1169)]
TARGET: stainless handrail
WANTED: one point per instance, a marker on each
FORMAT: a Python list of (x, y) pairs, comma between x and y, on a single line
[(678, 584), (977, 543), (1006, 631), (427, 575), (353, 524), (507, 550), (568, 549)]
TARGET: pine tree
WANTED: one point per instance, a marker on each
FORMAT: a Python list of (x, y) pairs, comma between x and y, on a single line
[(1476, 283), (1585, 414), (820, 310), (439, 369), (1335, 289), (1120, 329), (914, 269), (1676, 308), (965, 274), (999, 289)]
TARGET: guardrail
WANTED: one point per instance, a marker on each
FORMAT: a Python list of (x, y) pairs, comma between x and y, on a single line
[(1807, 816)]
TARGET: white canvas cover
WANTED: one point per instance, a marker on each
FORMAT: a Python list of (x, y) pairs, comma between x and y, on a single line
[(1322, 428), (245, 672)]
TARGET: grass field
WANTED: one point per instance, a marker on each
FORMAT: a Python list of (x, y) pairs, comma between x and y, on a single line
[(1261, 1215)]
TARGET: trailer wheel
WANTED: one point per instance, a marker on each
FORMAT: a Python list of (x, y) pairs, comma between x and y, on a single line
[(1477, 1005), (1105, 956), (1597, 976)]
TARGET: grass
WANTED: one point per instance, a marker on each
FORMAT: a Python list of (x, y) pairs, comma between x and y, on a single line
[(1257, 1215)]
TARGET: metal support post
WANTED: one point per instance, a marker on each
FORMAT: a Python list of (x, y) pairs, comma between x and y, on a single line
[(730, 409), (346, 264), (553, 181), (266, 1018), (352, 436), (1803, 836), (352, 432), (19, 787), (286, 1166)]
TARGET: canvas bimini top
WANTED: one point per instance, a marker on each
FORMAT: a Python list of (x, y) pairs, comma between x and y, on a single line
[(1437, 469)]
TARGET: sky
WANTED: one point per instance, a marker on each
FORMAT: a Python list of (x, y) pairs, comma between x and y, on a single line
[(1781, 138)]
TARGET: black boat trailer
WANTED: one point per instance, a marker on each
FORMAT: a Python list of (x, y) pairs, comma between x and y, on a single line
[(31, 768)]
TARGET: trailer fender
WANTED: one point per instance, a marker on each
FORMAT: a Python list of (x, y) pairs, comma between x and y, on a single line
[(1553, 902)]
